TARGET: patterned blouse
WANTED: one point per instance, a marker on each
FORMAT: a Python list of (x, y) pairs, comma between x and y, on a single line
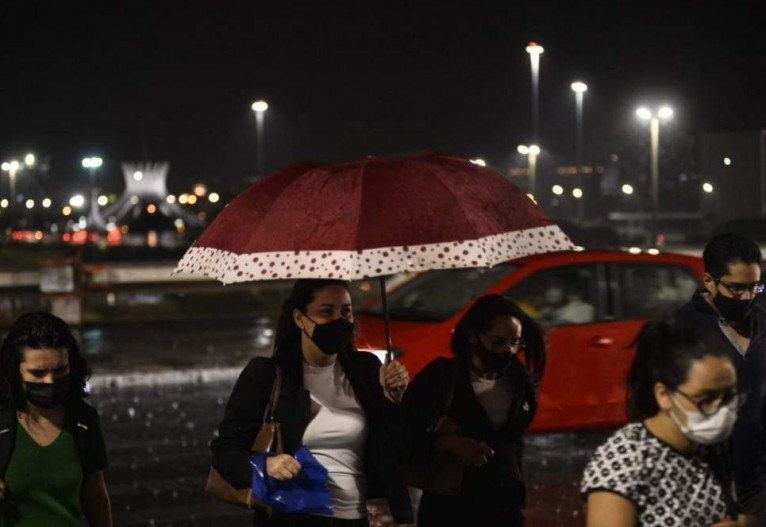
[(668, 488)]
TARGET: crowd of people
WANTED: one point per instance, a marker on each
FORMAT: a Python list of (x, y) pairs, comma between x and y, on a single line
[(692, 453)]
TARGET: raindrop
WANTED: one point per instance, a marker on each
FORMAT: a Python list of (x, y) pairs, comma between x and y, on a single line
[(131, 412)]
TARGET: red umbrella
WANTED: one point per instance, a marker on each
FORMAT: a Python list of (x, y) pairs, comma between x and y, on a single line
[(372, 217)]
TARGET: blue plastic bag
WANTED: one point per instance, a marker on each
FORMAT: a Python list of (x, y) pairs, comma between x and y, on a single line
[(306, 493)]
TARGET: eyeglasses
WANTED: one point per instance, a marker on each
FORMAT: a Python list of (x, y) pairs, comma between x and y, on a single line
[(500, 344), (740, 289), (709, 403)]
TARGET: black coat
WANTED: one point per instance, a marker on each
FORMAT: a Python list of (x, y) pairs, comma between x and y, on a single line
[(244, 416), (748, 434), (501, 477)]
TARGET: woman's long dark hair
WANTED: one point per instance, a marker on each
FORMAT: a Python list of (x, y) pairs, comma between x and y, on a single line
[(664, 353), (39, 330), (287, 341), (480, 317)]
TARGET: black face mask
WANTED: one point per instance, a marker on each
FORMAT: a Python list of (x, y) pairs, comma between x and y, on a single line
[(47, 394), (731, 309), (493, 362), (332, 337)]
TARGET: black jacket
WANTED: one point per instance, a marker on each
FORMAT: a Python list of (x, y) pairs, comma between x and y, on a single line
[(748, 435), (244, 416), (501, 478)]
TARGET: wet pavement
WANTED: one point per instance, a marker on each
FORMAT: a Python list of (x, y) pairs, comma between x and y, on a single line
[(158, 425)]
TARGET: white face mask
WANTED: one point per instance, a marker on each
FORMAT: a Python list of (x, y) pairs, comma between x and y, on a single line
[(707, 430)]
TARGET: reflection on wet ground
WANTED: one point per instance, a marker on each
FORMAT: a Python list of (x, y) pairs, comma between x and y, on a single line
[(172, 345)]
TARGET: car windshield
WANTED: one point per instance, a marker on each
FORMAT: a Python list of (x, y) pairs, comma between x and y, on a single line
[(437, 295)]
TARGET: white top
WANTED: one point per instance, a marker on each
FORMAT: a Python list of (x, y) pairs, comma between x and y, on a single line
[(667, 487), (495, 396), (336, 436)]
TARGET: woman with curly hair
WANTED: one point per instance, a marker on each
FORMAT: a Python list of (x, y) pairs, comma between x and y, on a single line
[(490, 397), (53, 454)]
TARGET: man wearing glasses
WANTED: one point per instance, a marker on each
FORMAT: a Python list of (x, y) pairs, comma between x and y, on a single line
[(729, 311)]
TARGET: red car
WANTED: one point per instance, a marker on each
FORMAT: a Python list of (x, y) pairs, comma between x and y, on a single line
[(592, 302)]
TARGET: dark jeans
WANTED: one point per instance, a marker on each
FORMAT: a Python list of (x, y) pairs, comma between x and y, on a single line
[(444, 511), (279, 519)]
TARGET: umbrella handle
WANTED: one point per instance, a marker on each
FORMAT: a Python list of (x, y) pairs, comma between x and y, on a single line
[(386, 323)]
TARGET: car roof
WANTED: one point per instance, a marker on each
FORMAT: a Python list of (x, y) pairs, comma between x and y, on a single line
[(598, 255)]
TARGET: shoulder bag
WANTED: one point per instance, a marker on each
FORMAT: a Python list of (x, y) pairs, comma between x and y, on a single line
[(269, 437), (443, 473)]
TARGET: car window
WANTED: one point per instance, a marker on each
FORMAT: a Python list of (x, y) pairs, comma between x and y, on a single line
[(560, 296), (437, 295), (651, 289)]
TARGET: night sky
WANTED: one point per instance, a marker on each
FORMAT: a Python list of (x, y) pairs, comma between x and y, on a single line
[(174, 81)]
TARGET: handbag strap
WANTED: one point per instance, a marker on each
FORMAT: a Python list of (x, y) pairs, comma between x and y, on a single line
[(447, 403), (276, 388)]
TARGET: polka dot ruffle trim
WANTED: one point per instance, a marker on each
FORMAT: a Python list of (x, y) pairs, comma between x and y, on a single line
[(229, 267)]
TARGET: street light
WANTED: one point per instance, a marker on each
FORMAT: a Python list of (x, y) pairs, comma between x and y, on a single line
[(535, 50), (259, 107), (94, 218), (12, 167), (531, 151), (579, 88), (645, 114)]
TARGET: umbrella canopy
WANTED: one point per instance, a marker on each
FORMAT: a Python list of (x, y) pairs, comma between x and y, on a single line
[(372, 217)]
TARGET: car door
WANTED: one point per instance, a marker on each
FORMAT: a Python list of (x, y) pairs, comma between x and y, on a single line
[(641, 290), (572, 302)]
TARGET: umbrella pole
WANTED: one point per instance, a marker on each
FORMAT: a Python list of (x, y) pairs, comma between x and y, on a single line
[(386, 324)]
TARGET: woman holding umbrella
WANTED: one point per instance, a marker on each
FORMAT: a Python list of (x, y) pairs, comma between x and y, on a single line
[(490, 401), (338, 402)]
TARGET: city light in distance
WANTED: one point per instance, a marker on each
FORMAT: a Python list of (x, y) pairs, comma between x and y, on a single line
[(577, 193), (259, 106), (4, 203), (557, 189), (30, 204), (66, 211), (627, 189), (134, 200), (192, 199), (92, 162), (666, 112), (103, 201), (644, 113), (214, 197), (183, 199), (170, 199), (653, 251), (707, 187), (579, 87), (200, 190), (533, 48), (634, 250), (29, 160), (151, 208), (77, 201), (138, 175), (727, 161), (46, 203)]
